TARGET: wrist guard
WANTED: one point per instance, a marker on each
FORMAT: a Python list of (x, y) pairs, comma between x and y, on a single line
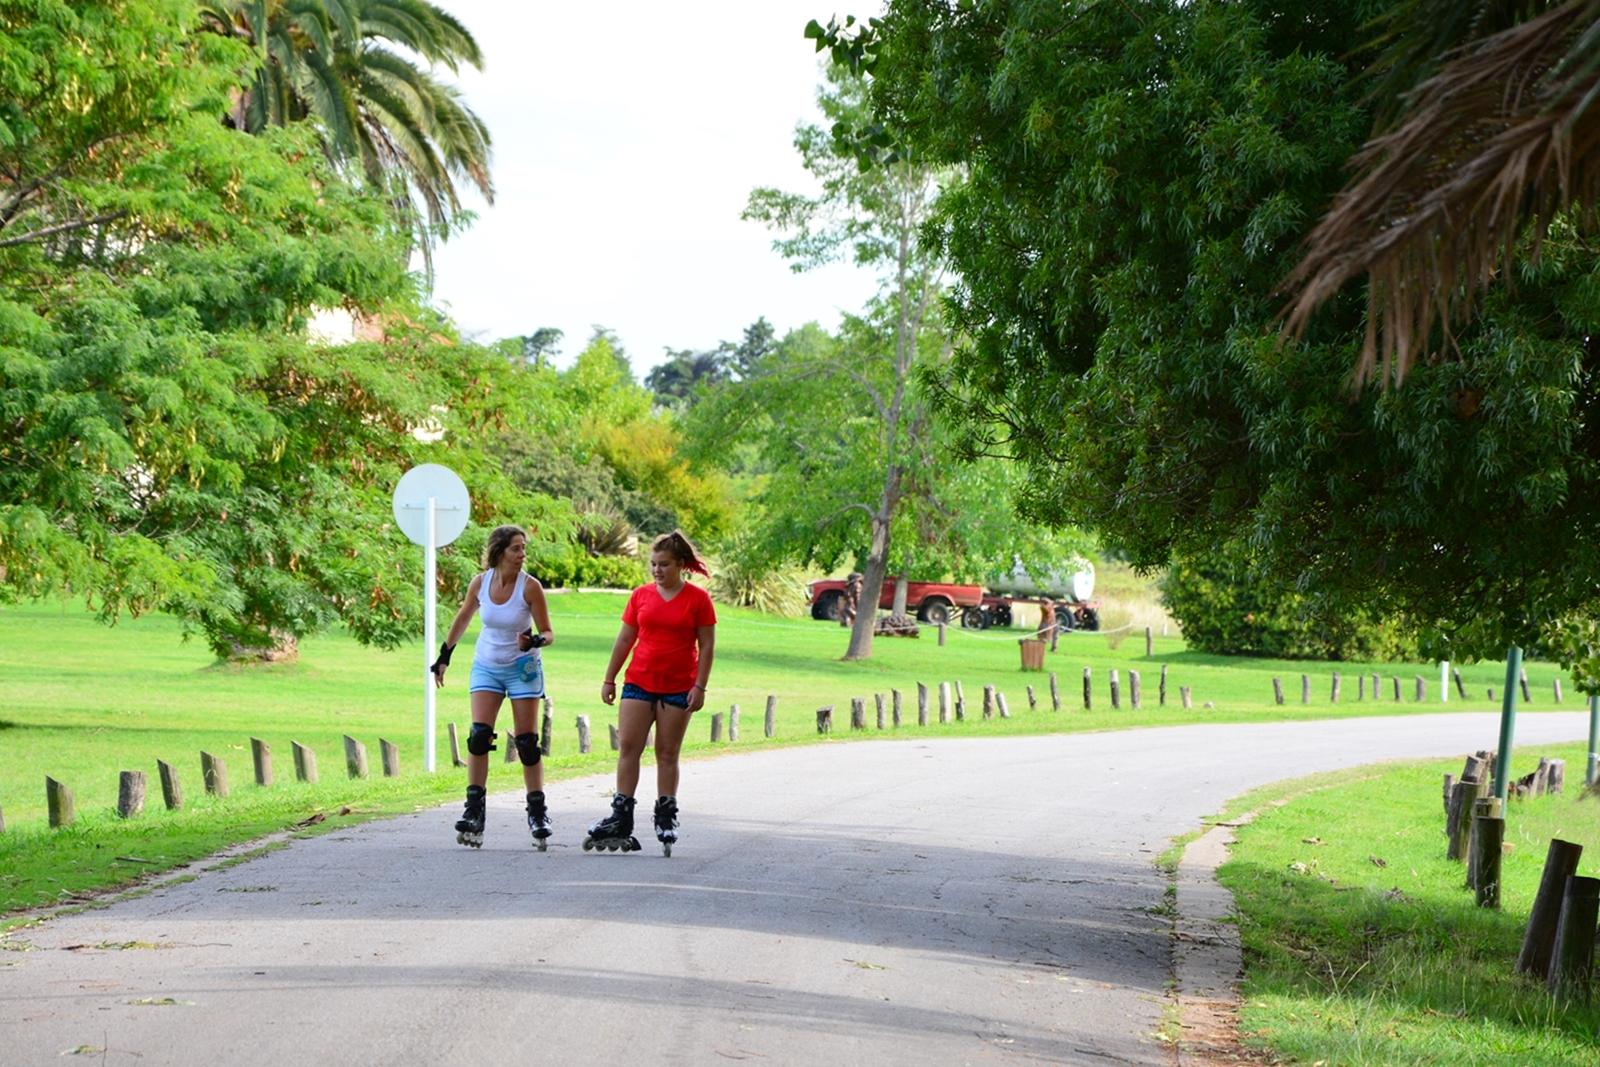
[(444, 659)]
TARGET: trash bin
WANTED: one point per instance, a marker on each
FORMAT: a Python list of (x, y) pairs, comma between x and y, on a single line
[(1032, 653)]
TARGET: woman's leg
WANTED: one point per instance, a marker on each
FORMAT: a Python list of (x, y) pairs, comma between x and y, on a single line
[(485, 709), (634, 718), (525, 720), (671, 724)]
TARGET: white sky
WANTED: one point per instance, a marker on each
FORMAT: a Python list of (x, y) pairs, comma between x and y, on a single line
[(627, 137)]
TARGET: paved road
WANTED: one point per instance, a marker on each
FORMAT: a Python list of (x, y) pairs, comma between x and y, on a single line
[(919, 901)]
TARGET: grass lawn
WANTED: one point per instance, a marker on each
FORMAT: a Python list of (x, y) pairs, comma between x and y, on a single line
[(83, 701), (1362, 945)]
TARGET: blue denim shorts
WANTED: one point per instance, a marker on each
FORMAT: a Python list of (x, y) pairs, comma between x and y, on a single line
[(633, 692), (520, 680)]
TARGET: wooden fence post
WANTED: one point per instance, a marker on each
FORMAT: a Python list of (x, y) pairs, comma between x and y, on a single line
[(988, 702), (1396, 682), (584, 743), (1055, 693), (941, 635), (825, 720), (130, 793), (1558, 690), (1277, 690), (214, 773), (1421, 689), (733, 723), (1538, 940), (1556, 780), (1033, 701), (171, 791), (1572, 961), (355, 757), (922, 704), (615, 744), (961, 702), (58, 799), (389, 755), (1461, 687), (894, 701), (858, 713), (1375, 692), (547, 726), (455, 747), (1000, 703), (305, 761), (1361, 687), (1458, 816), (716, 727), (1088, 689), (1161, 693), (261, 758), (1133, 688), (1333, 693), (1489, 832), (511, 746), (1149, 647), (1183, 693), (1522, 680), (1116, 690), (877, 699), (1305, 689), (771, 723), (944, 702)]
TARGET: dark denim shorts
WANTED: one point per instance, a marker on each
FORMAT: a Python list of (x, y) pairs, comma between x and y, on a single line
[(633, 692)]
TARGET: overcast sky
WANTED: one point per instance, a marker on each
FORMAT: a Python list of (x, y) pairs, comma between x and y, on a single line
[(627, 138)]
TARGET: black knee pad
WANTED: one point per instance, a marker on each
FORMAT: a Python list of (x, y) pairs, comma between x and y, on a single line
[(480, 739), (527, 748)]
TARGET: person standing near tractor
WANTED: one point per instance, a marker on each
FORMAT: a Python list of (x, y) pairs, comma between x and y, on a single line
[(505, 664), (850, 600)]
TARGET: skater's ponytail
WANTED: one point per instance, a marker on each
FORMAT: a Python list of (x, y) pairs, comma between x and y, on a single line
[(678, 547)]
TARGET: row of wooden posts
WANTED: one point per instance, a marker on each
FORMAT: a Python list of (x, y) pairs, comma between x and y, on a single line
[(1558, 945), (1420, 688), (131, 785), (953, 701)]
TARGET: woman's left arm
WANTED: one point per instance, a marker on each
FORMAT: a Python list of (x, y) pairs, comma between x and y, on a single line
[(706, 638), (540, 610)]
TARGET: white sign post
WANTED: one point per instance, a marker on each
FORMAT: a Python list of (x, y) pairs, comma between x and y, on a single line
[(431, 507)]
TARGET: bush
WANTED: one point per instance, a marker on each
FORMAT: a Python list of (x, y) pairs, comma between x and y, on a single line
[(576, 568), (1224, 606)]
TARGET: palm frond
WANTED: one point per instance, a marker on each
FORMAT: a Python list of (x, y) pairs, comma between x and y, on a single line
[(1506, 135)]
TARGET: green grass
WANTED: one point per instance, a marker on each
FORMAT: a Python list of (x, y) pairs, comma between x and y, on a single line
[(1361, 944), (83, 701)]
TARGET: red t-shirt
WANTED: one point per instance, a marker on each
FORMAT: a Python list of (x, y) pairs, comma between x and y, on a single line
[(667, 655)]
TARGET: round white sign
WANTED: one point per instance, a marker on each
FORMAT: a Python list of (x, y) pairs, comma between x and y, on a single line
[(451, 505)]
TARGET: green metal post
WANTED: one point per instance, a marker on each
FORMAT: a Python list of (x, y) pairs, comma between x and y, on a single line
[(1508, 722), (1594, 739)]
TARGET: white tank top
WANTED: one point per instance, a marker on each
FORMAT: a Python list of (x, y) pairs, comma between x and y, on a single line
[(497, 642)]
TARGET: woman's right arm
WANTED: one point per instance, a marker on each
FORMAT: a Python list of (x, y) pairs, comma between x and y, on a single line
[(458, 627), (619, 655)]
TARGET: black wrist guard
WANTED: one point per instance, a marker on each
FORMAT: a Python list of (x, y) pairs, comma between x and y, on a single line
[(444, 658), (534, 640)]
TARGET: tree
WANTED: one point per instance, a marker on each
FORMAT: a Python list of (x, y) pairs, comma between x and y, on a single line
[(1488, 125), (170, 439), (382, 116), (686, 371), (1138, 182)]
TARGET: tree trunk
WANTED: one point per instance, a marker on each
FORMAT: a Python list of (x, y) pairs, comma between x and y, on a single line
[(871, 589), (900, 586)]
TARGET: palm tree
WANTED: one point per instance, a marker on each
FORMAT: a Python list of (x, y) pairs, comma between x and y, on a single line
[(1488, 125), (348, 64)]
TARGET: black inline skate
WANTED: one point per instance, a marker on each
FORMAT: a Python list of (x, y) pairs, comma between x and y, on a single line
[(666, 819), (538, 821), (614, 833), (469, 828)]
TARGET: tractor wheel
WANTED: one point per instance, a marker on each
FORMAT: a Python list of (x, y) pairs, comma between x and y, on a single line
[(826, 607)]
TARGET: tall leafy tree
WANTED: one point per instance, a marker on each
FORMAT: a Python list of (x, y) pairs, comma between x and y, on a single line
[(384, 117), (1140, 178)]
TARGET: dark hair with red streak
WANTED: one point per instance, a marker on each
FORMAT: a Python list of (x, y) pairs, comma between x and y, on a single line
[(678, 547)]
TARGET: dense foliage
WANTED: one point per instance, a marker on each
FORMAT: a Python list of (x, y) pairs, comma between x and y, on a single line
[(1226, 605), (1139, 177)]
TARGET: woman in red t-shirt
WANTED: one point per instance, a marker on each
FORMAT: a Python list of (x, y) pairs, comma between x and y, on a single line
[(670, 628)]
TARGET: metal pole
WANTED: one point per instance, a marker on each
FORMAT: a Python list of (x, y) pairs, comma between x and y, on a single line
[(1594, 740), (1508, 722), (1444, 681), (429, 628)]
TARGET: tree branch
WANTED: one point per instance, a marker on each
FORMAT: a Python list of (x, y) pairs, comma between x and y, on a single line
[(60, 227)]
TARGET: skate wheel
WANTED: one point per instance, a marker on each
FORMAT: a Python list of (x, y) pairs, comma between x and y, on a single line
[(588, 844), (666, 849), (544, 843)]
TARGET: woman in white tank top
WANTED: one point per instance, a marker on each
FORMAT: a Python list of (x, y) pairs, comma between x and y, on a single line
[(505, 663)]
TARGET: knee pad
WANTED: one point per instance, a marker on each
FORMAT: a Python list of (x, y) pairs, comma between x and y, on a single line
[(527, 748), (480, 739)]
